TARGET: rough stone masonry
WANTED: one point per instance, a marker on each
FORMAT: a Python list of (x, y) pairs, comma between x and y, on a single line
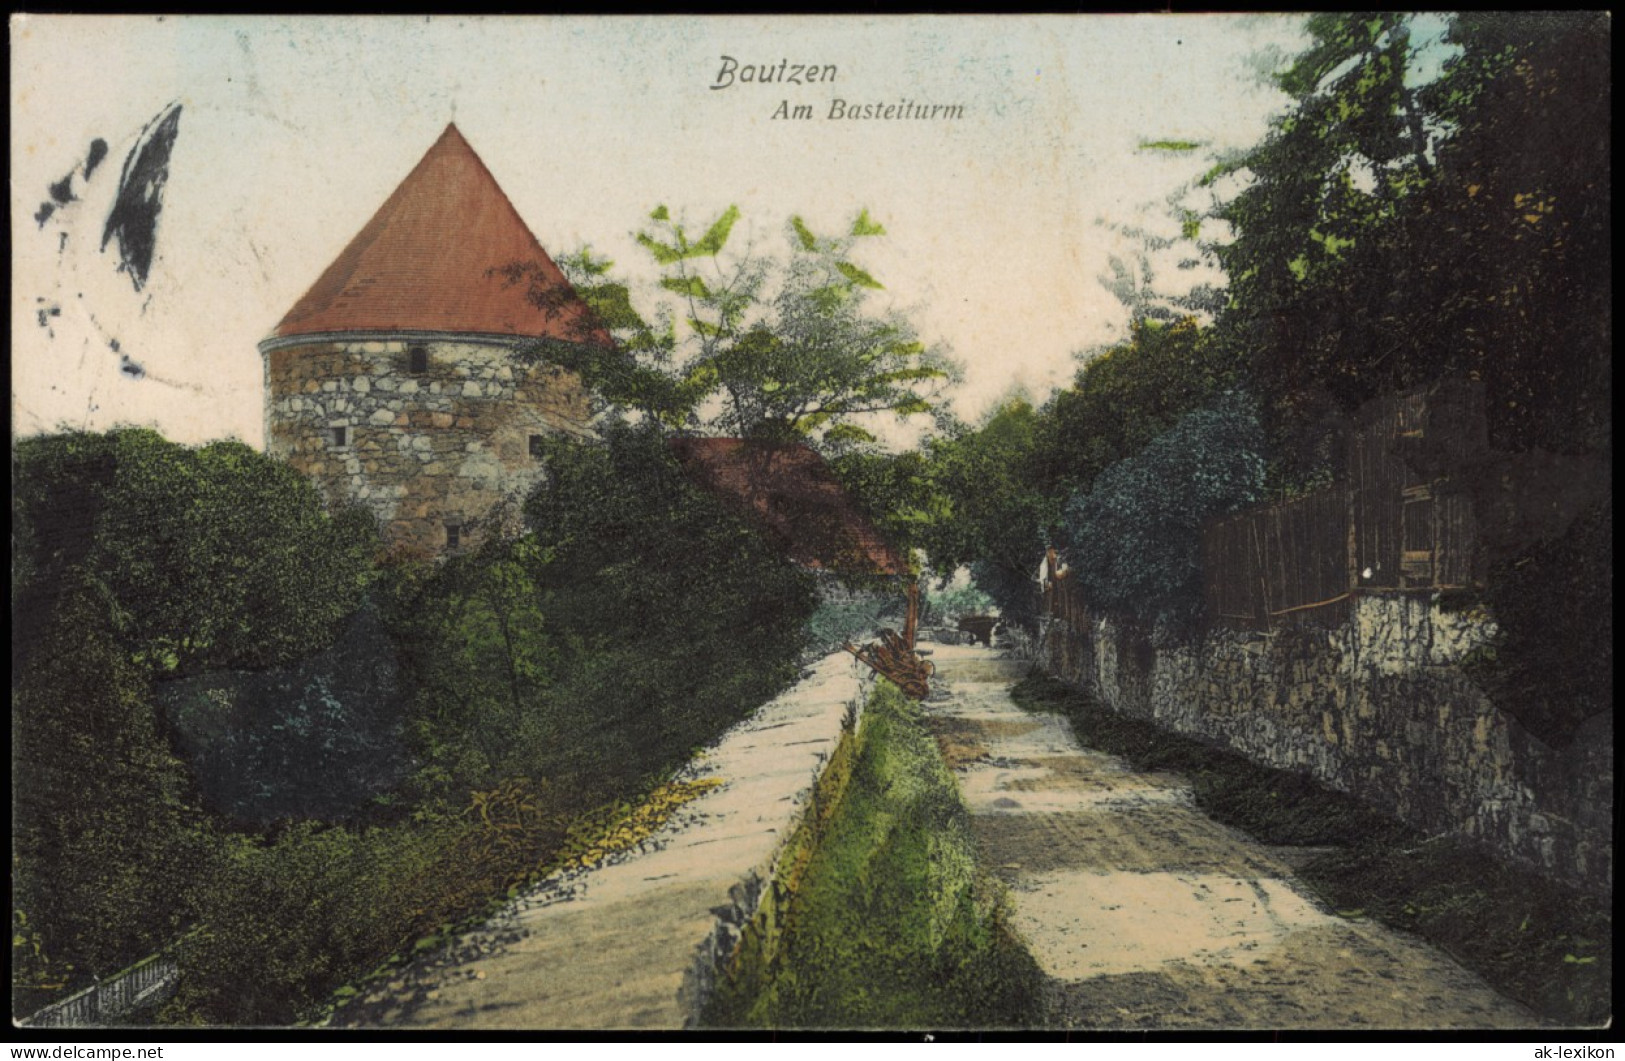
[(1376, 706)]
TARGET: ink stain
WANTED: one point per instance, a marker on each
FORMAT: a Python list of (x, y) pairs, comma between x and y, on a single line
[(98, 151), (62, 191), (130, 368), (134, 217), (44, 213)]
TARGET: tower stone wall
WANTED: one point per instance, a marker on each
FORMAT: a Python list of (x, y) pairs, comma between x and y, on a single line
[(434, 454)]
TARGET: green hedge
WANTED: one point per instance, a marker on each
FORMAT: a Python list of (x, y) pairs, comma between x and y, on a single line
[(890, 924)]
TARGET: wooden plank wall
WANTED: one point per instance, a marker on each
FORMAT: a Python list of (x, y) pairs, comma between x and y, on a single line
[(1393, 523)]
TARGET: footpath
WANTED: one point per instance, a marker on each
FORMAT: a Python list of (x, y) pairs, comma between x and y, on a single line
[(632, 941), (1146, 914)]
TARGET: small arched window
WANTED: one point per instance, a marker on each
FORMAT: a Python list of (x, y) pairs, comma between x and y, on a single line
[(417, 360)]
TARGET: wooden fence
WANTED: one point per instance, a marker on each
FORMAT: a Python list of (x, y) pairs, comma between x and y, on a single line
[(147, 982), (1266, 563), (1395, 521), (1423, 504)]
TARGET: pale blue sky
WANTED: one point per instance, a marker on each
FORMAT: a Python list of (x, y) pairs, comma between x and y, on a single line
[(294, 130)]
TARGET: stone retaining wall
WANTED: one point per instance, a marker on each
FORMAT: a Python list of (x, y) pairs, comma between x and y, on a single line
[(1376, 706)]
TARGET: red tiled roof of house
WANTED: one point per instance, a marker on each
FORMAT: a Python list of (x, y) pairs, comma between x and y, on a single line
[(795, 496), (431, 259)]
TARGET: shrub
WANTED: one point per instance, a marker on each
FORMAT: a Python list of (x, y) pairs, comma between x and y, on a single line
[(107, 840), (1135, 536), (1554, 604)]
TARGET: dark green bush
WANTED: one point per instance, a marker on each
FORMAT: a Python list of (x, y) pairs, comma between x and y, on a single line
[(544, 678), (1135, 537), (107, 842), (635, 621), (213, 557)]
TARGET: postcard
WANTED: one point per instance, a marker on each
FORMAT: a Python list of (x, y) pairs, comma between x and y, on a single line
[(866, 523)]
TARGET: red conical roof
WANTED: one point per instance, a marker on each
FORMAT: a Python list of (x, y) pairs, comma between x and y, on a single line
[(432, 259)]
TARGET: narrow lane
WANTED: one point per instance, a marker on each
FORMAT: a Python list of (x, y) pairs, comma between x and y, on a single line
[(1145, 913)]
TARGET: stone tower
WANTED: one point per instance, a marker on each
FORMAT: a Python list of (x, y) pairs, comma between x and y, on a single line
[(392, 381)]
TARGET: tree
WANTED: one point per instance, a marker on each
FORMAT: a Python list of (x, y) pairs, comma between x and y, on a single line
[(108, 842), (1127, 395), (993, 515), (746, 346), (1515, 238), (215, 557), (636, 619), (138, 559), (1427, 208)]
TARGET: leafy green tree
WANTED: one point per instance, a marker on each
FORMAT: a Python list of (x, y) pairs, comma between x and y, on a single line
[(1135, 536), (481, 654), (1429, 207), (1126, 396), (993, 514), (215, 556), (636, 620), (1514, 241), (681, 616), (746, 346), (108, 843), (138, 558), (897, 492)]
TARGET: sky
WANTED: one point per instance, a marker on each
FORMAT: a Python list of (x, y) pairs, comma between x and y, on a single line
[(293, 131)]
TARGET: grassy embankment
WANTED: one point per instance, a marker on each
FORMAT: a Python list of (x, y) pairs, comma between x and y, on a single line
[(879, 917), (1546, 945)]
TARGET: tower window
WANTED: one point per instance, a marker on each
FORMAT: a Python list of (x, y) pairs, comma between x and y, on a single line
[(339, 435), (536, 447), (454, 536), (417, 360)]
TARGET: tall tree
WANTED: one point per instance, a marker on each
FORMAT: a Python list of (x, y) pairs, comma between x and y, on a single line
[(786, 349), (1429, 207), (993, 516)]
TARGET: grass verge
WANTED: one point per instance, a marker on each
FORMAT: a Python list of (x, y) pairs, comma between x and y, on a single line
[(879, 917), (1534, 940)]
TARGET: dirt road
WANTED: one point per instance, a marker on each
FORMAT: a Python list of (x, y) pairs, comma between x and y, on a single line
[(1145, 913)]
